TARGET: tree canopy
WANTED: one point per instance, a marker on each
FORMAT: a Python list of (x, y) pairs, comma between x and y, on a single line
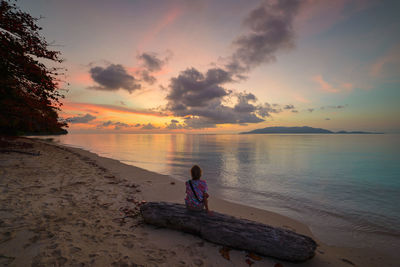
[(29, 91)]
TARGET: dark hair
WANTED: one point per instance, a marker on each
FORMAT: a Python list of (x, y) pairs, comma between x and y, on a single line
[(196, 172)]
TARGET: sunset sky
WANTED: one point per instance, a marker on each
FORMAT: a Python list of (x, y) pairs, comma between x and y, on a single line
[(226, 66)]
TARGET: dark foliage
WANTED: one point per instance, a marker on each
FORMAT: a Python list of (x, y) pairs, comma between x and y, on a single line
[(29, 93)]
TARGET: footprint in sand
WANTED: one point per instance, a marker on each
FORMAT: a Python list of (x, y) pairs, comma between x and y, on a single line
[(74, 250)]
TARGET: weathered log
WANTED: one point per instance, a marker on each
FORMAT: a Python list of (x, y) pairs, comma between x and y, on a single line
[(230, 231)]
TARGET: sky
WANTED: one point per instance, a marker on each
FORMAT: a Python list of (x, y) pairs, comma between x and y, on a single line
[(225, 66)]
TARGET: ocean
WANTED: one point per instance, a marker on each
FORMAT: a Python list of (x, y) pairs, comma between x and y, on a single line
[(346, 188)]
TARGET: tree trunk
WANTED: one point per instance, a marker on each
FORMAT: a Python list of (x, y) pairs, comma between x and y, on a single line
[(230, 231)]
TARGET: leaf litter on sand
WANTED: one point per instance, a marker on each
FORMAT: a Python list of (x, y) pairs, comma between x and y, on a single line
[(224, 251), (253, 256), (249, 262)]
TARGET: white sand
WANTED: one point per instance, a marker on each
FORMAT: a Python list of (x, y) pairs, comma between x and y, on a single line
[(65, 207)]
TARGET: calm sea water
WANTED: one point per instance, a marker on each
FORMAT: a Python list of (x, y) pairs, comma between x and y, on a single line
[(345, 187)]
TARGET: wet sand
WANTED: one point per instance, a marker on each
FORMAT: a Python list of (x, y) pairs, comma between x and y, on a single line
[(66, 206)]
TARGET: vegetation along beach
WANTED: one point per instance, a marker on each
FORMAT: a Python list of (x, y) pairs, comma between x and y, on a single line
[(199, 133)]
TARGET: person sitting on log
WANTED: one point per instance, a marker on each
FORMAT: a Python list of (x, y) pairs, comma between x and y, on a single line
[(196, 191)]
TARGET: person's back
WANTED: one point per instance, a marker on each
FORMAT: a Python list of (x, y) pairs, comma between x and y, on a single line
[(196, 191)]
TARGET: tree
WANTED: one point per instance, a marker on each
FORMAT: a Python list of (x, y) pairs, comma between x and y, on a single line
[(29, 91)]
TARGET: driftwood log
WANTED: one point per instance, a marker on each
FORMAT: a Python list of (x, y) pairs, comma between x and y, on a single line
[(230, 231)]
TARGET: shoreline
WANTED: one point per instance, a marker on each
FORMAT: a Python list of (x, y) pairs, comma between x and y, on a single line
[(123, 182)]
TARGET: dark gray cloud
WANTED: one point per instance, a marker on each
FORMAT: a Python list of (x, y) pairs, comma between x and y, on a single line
[(310, 110), (147, 77), (327, 119), (334, 107), (266, 109), (199, 98), (117, 125), (243, 104), (149, 126), (112, 78), (151, 61), (174, 125), (193, 89), (288, 107), (338, 106), (81, 119), (198, 123), (270, 29)]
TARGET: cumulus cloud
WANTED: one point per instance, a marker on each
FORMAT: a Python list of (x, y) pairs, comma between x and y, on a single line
[(193, 89), (149, 126), (198, 123), (81, 119), (117, 125), (338, 106), (147, 77), (151, 63), (200, 99), (288, 107), (334, 107), (174, 125), (270, 29), (112, 78)]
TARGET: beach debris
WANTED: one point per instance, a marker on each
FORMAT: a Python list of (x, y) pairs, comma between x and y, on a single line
[(232, 232), (172, 183), (132, 185), (105, 205), (6, 236), (20, 152), (224, 251), (249, 262), (6, 260), (348, 261), (253, 256), (131, 199)]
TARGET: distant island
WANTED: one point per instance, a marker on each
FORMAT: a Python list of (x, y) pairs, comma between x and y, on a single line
[(300, 130)]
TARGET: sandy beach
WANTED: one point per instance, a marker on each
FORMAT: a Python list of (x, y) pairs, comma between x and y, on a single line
[(66, 206)]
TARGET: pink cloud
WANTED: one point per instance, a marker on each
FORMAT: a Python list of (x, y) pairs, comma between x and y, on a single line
[(348, 86), (324, 86), (301, 99), (331, 88), (392, 56), (171, 15)]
